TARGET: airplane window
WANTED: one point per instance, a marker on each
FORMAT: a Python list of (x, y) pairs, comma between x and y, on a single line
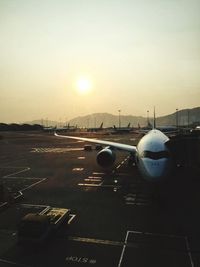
[(155, 155)]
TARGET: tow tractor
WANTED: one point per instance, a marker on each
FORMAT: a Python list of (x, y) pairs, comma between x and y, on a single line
[(36, 228)]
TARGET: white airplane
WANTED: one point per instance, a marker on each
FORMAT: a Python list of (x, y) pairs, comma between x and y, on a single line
[(151, 155)]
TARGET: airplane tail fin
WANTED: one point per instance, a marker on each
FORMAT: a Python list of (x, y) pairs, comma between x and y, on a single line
[(154, 119)]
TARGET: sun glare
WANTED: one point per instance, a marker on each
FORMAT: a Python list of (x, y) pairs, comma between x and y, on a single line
[(84, 85)]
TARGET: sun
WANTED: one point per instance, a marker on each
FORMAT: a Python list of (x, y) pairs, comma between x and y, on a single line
[(84, 85)]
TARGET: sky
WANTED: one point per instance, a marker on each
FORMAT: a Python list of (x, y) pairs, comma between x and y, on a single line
[(134, 54)]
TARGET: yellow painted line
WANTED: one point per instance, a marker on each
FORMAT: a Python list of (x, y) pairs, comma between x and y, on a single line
[(96, 241)]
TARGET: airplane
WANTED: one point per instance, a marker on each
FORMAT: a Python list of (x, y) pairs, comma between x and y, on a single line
[(96, 129), (122, 130), (151, 155)]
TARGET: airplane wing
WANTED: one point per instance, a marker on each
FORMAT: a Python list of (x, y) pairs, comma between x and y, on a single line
[(118, 146)]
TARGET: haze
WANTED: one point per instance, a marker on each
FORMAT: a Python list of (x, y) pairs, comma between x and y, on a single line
[(137, 54)]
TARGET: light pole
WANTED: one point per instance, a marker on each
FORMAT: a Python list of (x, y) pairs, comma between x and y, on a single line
[(119, 110), (188, 118), (147, 117), (176, 117)]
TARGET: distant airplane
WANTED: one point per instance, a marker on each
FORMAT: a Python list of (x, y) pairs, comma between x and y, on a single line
[(119, 130), (96, 129), (67, 128), (151, 155)]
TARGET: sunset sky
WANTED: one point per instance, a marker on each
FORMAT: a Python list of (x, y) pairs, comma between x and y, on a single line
[(64, 58)]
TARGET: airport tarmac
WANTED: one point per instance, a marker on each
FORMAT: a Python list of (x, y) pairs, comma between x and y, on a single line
[(117, 218)]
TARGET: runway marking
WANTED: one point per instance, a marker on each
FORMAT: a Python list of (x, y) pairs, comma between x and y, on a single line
[(93, 179), (72, 217), (120, 164), (90, 185), (137, 199), (55, 150), (96, 241), (131, 244), (78, 169), (101, 185), (28, 187), (46, 207), (189, 252), (10, 177), (77, 259), (96, 179), (123, 250), (14, 173), (81, 158)]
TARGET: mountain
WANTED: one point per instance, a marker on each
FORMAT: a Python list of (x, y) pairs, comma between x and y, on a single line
[(95, 120), (183, 117)]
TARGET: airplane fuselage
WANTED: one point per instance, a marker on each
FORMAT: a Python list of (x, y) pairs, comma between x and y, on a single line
[(152, 156)]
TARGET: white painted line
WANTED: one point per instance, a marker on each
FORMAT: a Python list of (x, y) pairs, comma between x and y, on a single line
[(28, 187), (136, 232), (96, 241), (188, 250), (24, 170), (95, 177), (14, 263), (72, 218), (159, 235), (96, 173), (78, 169), (92, 180), (100, 185), (92, 185), (3, 204), (123, 250)]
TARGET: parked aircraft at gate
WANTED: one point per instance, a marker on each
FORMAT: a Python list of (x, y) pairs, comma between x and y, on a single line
[(151, 155)]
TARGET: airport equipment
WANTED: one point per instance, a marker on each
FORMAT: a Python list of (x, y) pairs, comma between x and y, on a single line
[(35, 228)]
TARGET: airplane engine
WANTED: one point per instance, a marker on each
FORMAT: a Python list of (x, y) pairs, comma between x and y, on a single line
[(106, 157)]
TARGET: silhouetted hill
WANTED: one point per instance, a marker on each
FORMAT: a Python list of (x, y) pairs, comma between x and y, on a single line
[(184, 116), (94, 120)]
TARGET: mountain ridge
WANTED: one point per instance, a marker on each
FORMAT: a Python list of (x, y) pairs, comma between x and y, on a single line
[(109, 120)]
